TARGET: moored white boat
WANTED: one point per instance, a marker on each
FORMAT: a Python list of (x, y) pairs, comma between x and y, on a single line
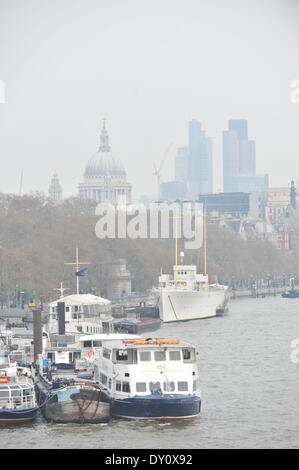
[(17, 394), (150, 379), (188, 295)]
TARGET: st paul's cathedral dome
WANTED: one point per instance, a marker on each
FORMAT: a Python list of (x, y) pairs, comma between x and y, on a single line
[(105, 176)]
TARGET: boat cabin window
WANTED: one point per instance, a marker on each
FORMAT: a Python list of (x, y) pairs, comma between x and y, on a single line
[(182, 386), (154, 386), (76, 316), (188, 354), (106, 353), (168, 386), (174, 355), (103, 379), (118, 386), (128, 356), (122, 355), (160, 356), (140, 387), (126, 387), (87, 344), (144, 356)]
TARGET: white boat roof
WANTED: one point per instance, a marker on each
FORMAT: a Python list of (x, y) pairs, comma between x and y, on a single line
[(108, 337), (119, 344), (81, 299)]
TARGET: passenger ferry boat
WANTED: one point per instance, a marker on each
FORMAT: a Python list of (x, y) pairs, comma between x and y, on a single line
[(149, 379), (17, 393)]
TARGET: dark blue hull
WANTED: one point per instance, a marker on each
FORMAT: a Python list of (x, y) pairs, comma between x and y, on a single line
[(163, 408), (17, 416)]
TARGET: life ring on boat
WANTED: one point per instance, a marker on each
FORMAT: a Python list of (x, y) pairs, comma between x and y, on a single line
[(184, 283), (170, 284), (91, 353)]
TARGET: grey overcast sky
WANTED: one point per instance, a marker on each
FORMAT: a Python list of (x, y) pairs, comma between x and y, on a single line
[(149, 67)]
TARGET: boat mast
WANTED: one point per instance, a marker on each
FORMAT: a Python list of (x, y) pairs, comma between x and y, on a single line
[(176, 247), (205, 237), (77, 263)]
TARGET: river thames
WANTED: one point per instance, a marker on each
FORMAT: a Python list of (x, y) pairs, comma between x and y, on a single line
[(249, 387)]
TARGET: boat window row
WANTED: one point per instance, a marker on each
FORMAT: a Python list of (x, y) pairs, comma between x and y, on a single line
[(86, 309), (129, 356), (147, 356), (170, 386), (142, 387), (92, 344), (93, 329)]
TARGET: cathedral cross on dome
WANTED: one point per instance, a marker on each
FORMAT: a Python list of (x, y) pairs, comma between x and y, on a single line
[(104, 143)]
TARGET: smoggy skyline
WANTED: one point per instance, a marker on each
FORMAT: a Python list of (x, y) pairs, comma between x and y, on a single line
[(149, 68)]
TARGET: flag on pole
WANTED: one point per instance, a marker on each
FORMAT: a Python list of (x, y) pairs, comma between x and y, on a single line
[(81, 272)]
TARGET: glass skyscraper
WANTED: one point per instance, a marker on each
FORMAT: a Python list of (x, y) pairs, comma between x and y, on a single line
[(239, 161), (200, 161)]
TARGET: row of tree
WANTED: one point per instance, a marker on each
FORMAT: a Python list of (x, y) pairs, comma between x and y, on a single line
[(37, 237)]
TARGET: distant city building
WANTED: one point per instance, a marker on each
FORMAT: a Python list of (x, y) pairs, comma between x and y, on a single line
[(105, 176), (247, 161), (240, 126), (253, 183), (200, 162), (55, 189), (173, 190), (278, 201), (230, 161), (181, 164), (236, 204), (239, 161)]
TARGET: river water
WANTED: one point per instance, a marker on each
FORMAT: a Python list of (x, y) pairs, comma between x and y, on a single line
[(249, 385)]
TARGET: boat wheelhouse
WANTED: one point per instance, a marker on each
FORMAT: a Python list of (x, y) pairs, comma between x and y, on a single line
[(91, 347), (150, 379), (84, 313), (17, 393)]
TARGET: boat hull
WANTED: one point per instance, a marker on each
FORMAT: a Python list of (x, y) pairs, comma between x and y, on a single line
[(183, 305), (161, 408), (83, 407), (17, 416)]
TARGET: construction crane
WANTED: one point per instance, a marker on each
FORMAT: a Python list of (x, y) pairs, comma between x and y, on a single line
[(186, 187), (157, 172)]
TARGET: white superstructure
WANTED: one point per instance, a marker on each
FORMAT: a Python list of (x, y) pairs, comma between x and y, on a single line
[(84, 313), (188, 296), (149, 378)]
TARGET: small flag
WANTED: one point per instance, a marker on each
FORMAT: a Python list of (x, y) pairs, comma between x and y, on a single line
[(213, 279), (81, 272)]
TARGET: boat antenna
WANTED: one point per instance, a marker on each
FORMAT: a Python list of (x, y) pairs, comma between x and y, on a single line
[(61, 289)]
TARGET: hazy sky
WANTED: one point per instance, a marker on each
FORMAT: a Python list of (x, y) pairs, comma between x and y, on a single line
[(148, 66)]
